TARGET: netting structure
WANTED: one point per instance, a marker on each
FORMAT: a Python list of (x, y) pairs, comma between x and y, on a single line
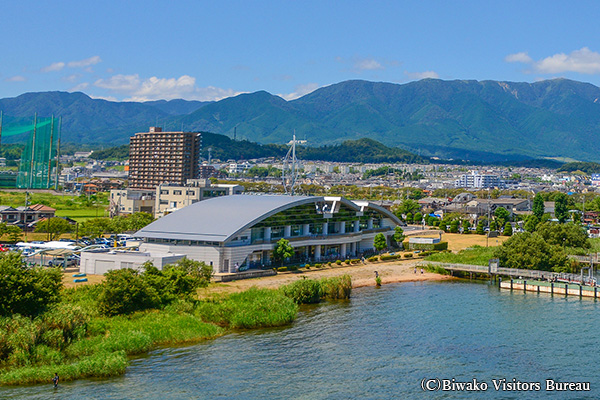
[(38, 166)]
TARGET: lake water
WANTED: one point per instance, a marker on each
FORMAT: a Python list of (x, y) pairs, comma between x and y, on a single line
[(379, 345)]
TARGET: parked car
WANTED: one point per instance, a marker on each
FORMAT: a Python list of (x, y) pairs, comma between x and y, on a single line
[(60, 261)]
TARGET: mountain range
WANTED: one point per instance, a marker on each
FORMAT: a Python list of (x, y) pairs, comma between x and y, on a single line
[(474, 120)]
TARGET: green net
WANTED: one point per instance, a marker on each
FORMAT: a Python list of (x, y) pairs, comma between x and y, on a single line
[(36, 170)]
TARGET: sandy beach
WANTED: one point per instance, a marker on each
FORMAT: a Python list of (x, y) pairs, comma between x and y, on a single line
[(362, 275)]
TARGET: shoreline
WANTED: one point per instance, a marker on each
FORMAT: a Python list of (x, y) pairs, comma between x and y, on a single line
[(362, 275)]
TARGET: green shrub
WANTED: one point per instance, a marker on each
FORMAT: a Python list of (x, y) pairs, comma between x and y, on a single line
[(387, 257), (293, 268), (373, 259), (125, 291), (347, 262), (339, 287), (408, 255), (27, 291), (282, 269), (355, 261), (338, 262), (318, 265), (303, 291)]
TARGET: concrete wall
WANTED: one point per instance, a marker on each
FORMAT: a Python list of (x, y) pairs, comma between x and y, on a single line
[(99, 263)]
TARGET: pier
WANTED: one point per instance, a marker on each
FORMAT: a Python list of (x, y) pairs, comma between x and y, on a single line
[(564, 288)]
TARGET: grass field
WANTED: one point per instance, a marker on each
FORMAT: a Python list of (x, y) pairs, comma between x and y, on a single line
[(82, 214), (457, 242)]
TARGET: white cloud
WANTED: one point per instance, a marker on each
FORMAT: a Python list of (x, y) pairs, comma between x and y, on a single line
[(521, 57), (71, 78), (120, 83), (16, 78), (57, 66), (85, 62), (367, 64), (300, 91), (583, 61), (421, 75), (107, 98), (155, 88), (80, 87)]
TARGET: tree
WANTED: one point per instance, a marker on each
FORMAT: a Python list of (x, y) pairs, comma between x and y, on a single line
[(27, 291), (466, 225), (454, 226), (508, 231), (560, 207), (95, 227), (54, 227), (379, 242), (567, 235), (530, 251), (493, 226), (407, 206), (538, 206), (480, 227), (14, 233), (282, 250), (417, 218), (502, 215), (531, 223), (409, 218), (398, 235), (138, 220)]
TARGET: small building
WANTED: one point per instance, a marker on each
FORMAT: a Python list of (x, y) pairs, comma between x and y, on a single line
[(170, 198), (129, 201)]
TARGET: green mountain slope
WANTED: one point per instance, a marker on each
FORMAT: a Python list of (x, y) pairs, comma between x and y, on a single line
[(485, 120)]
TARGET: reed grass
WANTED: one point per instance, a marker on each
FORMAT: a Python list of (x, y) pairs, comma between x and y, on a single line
[(253, 308), (100, 365), (337, 287)]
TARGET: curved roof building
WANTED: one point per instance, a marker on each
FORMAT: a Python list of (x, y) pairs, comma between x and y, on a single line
[(240, 232)]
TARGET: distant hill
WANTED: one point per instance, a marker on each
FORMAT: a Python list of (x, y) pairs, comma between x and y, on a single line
[(464, 120), (223, 148)]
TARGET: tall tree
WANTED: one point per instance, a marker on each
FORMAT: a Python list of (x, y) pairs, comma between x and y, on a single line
[(560, 207), (379, 242), (282, 250), (538, 206)]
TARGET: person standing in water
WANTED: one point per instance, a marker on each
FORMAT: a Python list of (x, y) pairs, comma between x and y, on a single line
[(55, 380)]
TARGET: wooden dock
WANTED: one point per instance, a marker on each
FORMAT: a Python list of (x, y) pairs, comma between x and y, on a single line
[(562, 288)]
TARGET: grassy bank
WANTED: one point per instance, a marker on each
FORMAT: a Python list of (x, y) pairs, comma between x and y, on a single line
[(75, 340), (476, 255)]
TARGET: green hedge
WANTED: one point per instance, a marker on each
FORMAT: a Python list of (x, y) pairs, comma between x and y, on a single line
[(387, 257), (373, 259)]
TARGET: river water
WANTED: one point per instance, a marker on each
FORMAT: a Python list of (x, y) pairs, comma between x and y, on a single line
[(379, 345)]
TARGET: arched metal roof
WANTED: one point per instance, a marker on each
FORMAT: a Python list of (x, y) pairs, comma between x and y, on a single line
[(221, 218)]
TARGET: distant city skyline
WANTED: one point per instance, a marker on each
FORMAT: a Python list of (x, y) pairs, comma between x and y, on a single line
[(199, 50)]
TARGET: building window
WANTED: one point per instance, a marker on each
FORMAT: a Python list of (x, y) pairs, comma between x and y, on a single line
[(190, 193), (163, 192), (177, 192)]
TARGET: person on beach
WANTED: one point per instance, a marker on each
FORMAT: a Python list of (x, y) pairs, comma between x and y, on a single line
[(415, 270), (55, 380), (421, 271)]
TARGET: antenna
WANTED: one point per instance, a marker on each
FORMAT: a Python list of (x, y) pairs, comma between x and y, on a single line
[(209, 155), (290, 172), (234, 133)]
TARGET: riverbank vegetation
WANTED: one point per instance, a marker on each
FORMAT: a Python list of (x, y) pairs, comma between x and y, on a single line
[(546, 249), (92, 330)]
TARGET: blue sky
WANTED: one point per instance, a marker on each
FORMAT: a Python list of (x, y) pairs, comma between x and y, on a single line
[(208, 50)]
